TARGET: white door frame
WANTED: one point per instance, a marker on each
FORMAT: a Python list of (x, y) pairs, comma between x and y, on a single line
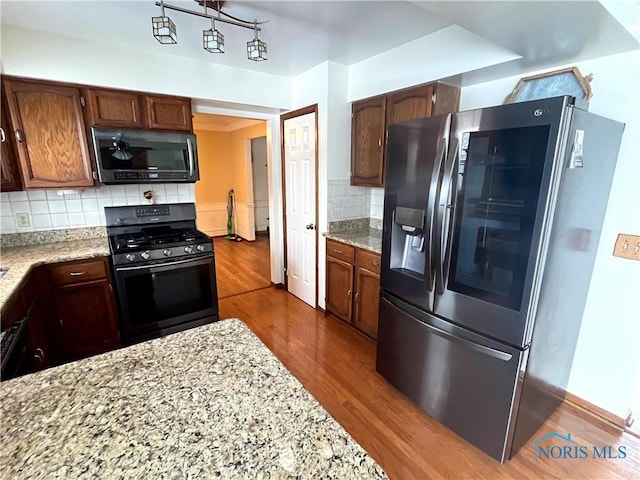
[(285, 116)]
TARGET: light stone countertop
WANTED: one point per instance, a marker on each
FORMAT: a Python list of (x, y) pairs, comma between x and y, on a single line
[(209, 402), (366, 238), (20, 260)]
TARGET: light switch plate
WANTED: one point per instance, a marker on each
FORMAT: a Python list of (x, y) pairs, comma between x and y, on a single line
[(627, 246)]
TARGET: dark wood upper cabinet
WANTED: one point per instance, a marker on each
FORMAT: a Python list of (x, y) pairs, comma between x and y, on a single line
[(49, 129), (168, 113), (372, 116), (367, 141), (8, 162), (409, 104), (113, 108)]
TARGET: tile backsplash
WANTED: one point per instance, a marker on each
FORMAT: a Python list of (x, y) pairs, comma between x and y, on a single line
[(347, 202), (57, 209)]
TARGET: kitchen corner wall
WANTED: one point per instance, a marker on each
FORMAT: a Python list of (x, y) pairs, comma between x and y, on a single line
[(56, 209), (347, 202)]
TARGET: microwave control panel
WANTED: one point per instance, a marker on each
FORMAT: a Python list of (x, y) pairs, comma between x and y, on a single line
[(141, 175)]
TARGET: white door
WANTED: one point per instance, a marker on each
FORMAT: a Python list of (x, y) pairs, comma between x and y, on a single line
[(300, 182)]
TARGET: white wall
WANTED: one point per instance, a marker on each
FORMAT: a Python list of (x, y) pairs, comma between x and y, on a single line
[(448, 52), (30, 53), (607, 354)]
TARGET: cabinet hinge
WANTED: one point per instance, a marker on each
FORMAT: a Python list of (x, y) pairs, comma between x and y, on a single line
[(83, 102), (433, 98)]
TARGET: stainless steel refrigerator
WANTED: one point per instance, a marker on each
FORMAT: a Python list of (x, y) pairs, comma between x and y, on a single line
[(492, 219)]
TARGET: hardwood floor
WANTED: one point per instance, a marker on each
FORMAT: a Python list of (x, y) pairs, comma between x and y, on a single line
[(337, 365), (242, 266)]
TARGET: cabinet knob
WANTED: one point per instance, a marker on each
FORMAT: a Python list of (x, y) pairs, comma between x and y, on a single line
[(348, 293), (39, 355), (357, 295), (3, 136), (19, 136)]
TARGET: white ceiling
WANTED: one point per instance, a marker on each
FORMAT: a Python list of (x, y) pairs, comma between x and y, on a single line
[(302, 34)]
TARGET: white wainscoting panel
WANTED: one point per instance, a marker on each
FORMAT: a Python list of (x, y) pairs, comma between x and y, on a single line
[(245, 221), (212, 218)]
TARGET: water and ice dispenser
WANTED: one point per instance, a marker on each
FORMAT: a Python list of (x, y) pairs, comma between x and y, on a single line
[(408, 242)]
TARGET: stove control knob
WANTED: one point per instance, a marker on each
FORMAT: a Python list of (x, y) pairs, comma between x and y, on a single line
[(200, 248), (188, 249), (167, 252), (145, 254), (130, 256)]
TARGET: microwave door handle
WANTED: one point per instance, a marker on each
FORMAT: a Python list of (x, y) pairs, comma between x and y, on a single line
[(445, 209), (190, 151)]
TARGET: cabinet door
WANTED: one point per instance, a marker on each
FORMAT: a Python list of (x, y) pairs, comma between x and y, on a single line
[(447, 99), (409, 104), (366, 302), (339, 286), (169, 113), (108, 108), (50, 137), (38, 330), (87, 318), (8, 162), (367, 142)]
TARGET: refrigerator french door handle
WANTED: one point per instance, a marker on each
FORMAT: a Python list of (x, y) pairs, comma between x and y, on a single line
[(492, 352), (443, 213), (431, 211)]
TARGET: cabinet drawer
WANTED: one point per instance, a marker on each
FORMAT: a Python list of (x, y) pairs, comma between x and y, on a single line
[(340, 250), (368, 260), (76, 272)]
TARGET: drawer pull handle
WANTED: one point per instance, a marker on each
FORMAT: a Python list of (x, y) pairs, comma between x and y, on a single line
[(375, 264), (337, 251), (77, 274)]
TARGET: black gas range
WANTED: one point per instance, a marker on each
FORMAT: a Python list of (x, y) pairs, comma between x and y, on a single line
[(164, 270)]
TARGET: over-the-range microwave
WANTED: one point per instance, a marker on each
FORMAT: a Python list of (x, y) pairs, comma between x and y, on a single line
[(141, 156)]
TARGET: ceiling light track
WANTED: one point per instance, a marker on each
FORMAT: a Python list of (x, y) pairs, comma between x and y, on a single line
[(164, 30)]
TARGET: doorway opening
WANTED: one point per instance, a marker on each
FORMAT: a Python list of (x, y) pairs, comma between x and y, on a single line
[(225, 203)]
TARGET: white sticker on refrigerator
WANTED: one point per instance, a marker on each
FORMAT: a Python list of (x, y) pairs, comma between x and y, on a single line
[(577, 160), (465, 140)]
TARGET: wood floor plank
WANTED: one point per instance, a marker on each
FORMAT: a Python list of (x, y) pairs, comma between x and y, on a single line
[(242, 266), (337, 366)]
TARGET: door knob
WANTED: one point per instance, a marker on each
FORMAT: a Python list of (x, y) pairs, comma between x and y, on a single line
[(311, 226)]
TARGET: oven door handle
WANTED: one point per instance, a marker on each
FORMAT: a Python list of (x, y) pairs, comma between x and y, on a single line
[(162, 265), (190, 151)]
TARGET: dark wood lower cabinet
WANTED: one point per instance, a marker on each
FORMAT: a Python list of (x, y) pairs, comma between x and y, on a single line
[(68, 310), (353, 286), (84, 308), (339, 285), (87, 319), (365, 316)]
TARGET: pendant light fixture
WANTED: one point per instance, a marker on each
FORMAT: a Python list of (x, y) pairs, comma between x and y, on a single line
[(256, 48), (164, 30), (212, 40)]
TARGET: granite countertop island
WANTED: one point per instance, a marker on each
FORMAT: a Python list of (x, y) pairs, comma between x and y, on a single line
[(210, 402), (20, 260)]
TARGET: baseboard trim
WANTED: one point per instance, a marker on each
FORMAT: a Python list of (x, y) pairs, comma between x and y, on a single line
[(595, 411)]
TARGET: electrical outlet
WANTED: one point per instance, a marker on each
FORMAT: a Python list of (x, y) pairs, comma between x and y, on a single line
[(22, 220), (627, 246)]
